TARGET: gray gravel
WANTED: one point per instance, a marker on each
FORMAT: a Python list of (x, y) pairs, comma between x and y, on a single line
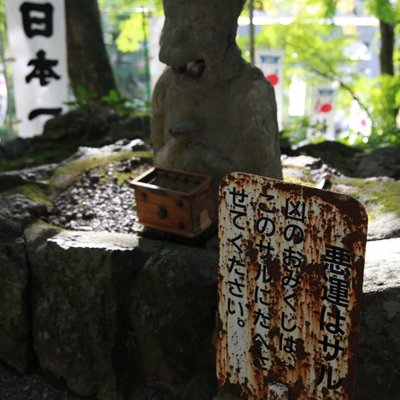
[(101, 200), (14, 386)]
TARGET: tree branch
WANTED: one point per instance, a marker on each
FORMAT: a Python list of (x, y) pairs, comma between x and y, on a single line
[(332, 75)]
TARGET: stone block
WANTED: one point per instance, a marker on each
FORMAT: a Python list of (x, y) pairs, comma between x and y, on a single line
[(113, 313)]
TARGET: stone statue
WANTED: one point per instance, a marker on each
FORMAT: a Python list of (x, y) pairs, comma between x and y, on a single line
[(213, 112)]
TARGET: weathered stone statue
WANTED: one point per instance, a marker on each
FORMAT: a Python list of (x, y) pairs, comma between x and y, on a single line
[(212, 112)]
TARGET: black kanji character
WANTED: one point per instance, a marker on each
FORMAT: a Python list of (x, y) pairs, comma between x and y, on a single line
[(37, 19), (337, 292), (329, 371), (235, 284), (260, 338), (260, 298), (287, 298), (238, 197), (264, 249), (295, 233), (334, 346), (283, 325), (292, 258), (44, 111), (291, 280), (262, 319), (232, 308), (42, 69), (265, 226), (234, 242), (264, 362), (237, 215), (264, 207), (234, 262), (338, 255), (290, 345), (295, 210), (262, 272), (334, 324)]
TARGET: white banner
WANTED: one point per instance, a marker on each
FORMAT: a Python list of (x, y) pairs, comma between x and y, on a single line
[(322, 112), (359, 121), (3, 98), (156, 66), (271, 64), (297, 97), (37, 37)]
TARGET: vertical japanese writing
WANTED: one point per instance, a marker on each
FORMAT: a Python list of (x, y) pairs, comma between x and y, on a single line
[(293, 235), (288, 288), (37, 39), (336, 294), (239, 201), (265, 227), (37, 20)]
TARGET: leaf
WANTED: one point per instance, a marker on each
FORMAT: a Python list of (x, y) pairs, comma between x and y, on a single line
[(131, 35)]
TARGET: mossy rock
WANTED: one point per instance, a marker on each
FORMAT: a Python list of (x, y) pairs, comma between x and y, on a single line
[(336, 154), (66, 174), (380, 198), (35, 192)]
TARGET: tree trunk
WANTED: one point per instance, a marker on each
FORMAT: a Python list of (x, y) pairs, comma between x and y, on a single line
[(88, 63), (387, 48)]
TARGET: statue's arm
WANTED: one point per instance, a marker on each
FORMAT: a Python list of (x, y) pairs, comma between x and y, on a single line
[(257, 118)]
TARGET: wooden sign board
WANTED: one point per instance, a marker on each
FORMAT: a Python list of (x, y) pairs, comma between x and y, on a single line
[(290, 283)]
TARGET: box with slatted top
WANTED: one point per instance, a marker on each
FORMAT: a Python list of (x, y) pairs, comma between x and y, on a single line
[(175, 201)]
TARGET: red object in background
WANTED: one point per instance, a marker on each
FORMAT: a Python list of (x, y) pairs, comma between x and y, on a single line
[(273, 79), (325, 108)]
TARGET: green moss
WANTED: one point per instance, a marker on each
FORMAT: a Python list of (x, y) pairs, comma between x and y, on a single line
[(34, 192), (122, 177), (376, 196), (66, 174), (305, 174), (388, 196), (291, 179)]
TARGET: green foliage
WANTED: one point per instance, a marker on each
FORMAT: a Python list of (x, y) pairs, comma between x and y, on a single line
[(385, 10), (382, 93), (311, 8), (316, 50), (295, 131), (87, 102), (2, 16), (123, 106), (127, 18), (131, 33)]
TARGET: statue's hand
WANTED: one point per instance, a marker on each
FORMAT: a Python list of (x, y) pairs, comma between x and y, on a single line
[(184, 128)]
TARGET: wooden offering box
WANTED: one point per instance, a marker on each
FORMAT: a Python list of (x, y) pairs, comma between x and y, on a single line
[(174, 201)]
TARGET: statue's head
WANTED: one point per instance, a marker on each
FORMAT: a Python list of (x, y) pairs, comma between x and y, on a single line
[(197, 33)]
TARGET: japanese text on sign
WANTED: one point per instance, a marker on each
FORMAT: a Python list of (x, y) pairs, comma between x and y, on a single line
[(290, 278), (37, 39)]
